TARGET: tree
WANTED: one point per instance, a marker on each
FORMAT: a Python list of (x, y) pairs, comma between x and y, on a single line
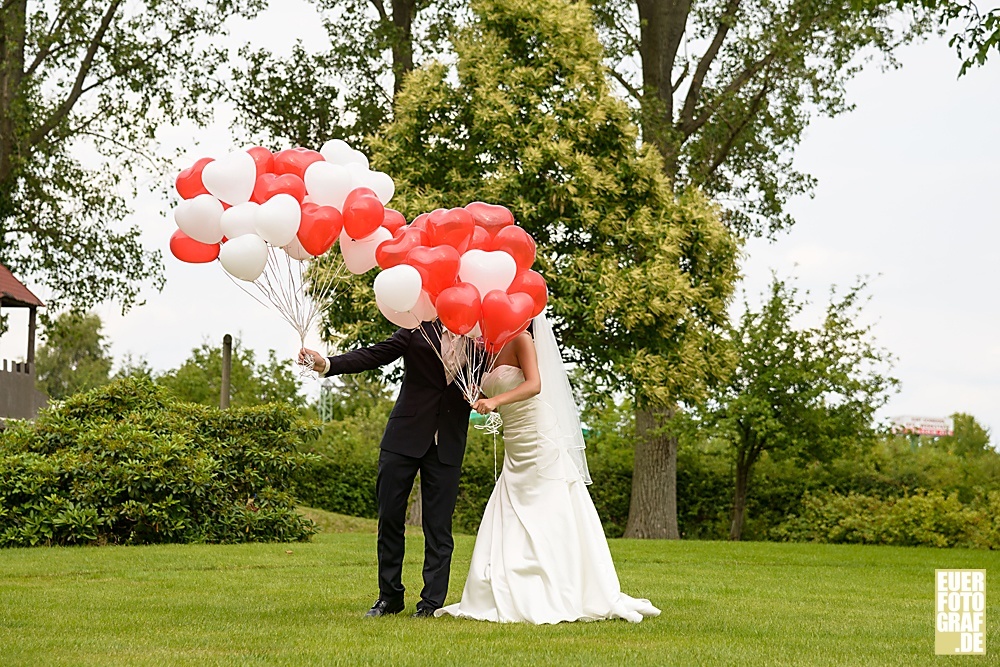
[(639, 278), (807, 393), (199, 379), (980, 35), (82, 77), (74, 356), (726, 90), (727, 87), (968, 437), (348, 90)]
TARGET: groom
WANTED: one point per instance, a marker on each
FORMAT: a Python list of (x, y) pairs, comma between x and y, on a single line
[(426, 432)]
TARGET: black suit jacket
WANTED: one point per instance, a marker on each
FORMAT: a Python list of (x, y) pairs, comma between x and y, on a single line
[(426, 405)]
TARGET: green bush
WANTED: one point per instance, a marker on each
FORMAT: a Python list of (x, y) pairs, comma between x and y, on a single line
[(126, 464), (926, 518)]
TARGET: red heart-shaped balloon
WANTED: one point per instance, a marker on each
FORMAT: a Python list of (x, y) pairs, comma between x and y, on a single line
[(438, 267), (393, 252), (294, 161), (363, 213), (319, 228), (393, 220), (480, 239), (189, 183), (490, 217), (531, 283), (269, 185), (420, 222), (518, 244), (459, 308), (504, 317), (186, 249), (263, 158), (451, 227)]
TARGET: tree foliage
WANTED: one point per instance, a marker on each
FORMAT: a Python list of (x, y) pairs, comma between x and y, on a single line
[(968, 438), (808, 393), (726, 88), (346, 91), (639, 279), (74, 357), (79, 78), (199, 379)]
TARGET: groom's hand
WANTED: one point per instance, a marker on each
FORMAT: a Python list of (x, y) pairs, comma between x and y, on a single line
[(306, 356)]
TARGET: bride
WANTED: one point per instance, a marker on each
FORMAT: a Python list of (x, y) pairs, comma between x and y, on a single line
[(540, 555)]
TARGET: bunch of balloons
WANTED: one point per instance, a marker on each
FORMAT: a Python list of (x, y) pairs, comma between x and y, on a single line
[(470, 267), (298, 200), (265, 215)]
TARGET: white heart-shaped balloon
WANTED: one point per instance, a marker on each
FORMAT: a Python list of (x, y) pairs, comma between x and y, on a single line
[(239, 220), (398, 287), (296, 251), (231, 178), (357, 157), (360, 176), (244, 257), (328, 184), (382, 185), (424, 309), (199, 218), (359, 254), (336, 151), (487, 270), (400, 319), (277, 220)]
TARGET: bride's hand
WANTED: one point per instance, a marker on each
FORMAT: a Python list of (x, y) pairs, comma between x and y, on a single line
[(484, 406)]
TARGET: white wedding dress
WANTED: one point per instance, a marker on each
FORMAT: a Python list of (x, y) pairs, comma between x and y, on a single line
[(540, 555)]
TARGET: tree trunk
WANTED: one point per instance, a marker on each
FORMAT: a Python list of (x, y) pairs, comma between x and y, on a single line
[(739, 501), (652, 511), (403, 12), (13, 29), (662, 29)]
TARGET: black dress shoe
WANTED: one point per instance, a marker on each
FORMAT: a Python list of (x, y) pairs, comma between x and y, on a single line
[(384, 608), (424, 612)]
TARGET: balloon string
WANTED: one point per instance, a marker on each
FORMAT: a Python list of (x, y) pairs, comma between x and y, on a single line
[(492, 425)]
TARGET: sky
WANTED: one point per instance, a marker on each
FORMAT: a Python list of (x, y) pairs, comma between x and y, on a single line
[(908, 195)]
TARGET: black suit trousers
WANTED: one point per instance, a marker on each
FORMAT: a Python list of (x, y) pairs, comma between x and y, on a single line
[(439, 492)]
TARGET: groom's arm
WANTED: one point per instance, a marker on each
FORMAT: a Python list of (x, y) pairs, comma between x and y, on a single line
[(370, 358)]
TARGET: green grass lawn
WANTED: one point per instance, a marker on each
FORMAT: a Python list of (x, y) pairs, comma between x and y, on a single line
[(302, 604)]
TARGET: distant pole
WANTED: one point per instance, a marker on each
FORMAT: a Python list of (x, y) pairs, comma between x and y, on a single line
[(227, 362), (31, 336)]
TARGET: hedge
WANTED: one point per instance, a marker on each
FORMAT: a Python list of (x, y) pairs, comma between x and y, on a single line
[(126, 464)]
